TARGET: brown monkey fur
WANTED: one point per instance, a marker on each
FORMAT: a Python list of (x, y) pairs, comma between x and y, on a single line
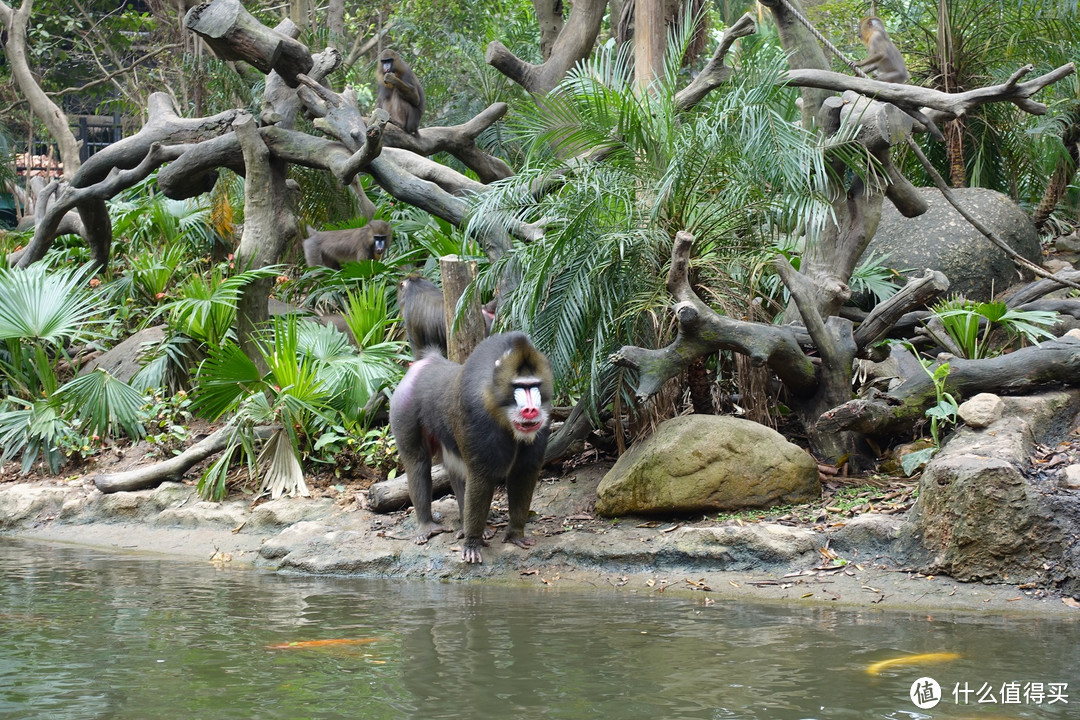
[(421, 303), (400, 92), (489, 420), (333, 248), (884, 60)]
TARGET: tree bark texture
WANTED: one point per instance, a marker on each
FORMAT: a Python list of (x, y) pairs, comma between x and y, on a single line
[(234, 34), (549, 20), (1026, 370), (574, 43), (650, 41), (50, 114), (173, 469), (268, 223), (464, 330)]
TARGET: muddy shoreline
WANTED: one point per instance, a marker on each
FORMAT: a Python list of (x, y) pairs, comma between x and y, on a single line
[(863, 566)]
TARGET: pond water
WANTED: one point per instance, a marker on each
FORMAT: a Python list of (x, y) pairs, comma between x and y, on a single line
[(91, 634)]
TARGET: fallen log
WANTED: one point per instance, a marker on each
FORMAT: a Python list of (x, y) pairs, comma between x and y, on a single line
[(1030, 369), (390, 495), (174, 468)]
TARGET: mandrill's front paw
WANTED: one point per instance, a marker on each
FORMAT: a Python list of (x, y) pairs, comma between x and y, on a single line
[(520, 540), (470, 552)]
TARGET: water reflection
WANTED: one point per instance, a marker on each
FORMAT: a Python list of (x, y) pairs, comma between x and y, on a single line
[(97, 635)]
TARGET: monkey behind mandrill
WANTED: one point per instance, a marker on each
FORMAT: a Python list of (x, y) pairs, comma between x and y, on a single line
[(421, 303), (489, 419), (400, 92), (334, 248), (884, 60)]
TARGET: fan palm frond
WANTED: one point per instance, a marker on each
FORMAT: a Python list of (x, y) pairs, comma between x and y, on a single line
[(104, 404)]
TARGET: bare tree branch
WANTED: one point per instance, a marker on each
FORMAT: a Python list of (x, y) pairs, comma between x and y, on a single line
[(574, 43)]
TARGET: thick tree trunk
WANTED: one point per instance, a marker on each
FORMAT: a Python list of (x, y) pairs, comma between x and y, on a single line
[(464, 332), (650, 41), (1063, 174), (697, 381), (335, 24), (549, 20), (50, 114), (954, 152), (269, 223), (804, 53)]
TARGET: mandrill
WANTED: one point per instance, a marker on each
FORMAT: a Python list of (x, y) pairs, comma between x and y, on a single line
[(399, 92), (334, 248), (489, 419)]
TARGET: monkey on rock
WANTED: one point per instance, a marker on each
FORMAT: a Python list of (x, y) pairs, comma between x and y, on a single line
[(489, 420)]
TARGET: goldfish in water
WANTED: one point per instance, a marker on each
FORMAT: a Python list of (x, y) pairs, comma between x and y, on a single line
[(924, 659), (309, 644)]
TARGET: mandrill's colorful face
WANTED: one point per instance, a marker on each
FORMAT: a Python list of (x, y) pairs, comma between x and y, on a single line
[(527, 415)]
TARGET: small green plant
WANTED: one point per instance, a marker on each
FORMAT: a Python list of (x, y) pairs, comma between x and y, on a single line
[(34, 429), (103, 404), (152, 272), (379, 451), (199, 319), (41, 313), (347, 450), (167, 420), (969, 326), (941, 414), (944, 411)]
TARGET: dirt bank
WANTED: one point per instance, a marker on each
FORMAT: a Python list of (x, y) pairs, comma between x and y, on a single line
[(864, 560)]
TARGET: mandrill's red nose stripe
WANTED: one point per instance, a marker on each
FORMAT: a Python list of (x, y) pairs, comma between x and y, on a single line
[(530, 413)]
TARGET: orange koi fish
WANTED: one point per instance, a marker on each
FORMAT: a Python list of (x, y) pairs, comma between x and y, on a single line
[(309, 644), (924, 659)]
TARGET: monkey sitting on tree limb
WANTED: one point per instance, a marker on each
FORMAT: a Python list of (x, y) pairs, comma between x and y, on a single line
[(400, 92), (489, 419), (884, 60), (334, 248)]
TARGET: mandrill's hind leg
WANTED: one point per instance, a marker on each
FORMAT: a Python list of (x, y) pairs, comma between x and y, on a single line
[(419, 480)]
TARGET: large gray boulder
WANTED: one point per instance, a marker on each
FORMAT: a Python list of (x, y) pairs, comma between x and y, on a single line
[(941, 239), (983, 516), (124, 360), (706, 463)]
